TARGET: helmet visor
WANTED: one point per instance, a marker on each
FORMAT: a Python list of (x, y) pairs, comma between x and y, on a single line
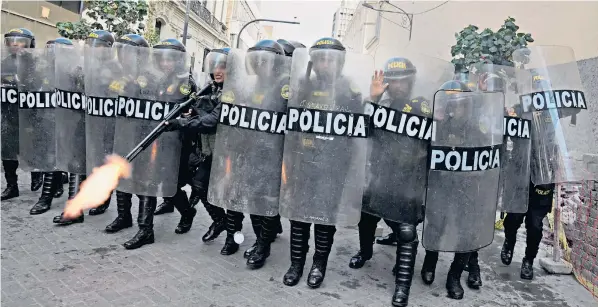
[(94, 42), (260, 62), (170, 60), (327, 62), (17, 42), (214, 61)]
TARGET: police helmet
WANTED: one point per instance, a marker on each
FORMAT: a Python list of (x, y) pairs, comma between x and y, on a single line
[(20, 37), (263, 57), (133, 40), (289, 46), (51, 44), (540, 82), (215, 59), (170, 56), (327, 50), (100, 38), (453, 98)]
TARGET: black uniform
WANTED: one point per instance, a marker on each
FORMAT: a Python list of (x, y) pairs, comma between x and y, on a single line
[(10, 119), (199, 134)]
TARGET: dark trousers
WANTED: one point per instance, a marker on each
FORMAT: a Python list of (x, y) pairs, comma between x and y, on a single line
[(540, 203), (10, 171)]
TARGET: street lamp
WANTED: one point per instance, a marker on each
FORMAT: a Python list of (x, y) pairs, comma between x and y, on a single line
[(407, 22), (261, 19)]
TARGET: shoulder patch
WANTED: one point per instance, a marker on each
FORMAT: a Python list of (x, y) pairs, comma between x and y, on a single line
[(46, 82), (425, 107), (227, 97), (142, 81), (407, 108), (185, 89), (170, 89), (284, 92)]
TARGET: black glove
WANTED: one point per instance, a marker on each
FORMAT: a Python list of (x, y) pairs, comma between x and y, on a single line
[(176, 124)]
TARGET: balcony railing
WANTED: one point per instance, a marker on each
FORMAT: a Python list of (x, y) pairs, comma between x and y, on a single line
[(203, 13)]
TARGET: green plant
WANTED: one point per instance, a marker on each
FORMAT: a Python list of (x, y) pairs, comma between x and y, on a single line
[(488, 47), (118, 16)]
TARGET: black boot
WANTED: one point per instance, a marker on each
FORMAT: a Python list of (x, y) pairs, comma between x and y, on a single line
[(58, 180), (123, 207), (165, 207), (10, 173), (256, 224), (74, 185), (367, 231), (218, 221), (195, 197), (37, 180), (429, 267), (474, 280), (405, 262), (102, 208), (506, 253), (453, 279), (181, 202), (262, 250), (45, 200), (299, 247), (234, 223), (527, 269), (390, 239), (324, 237), (145, 220)]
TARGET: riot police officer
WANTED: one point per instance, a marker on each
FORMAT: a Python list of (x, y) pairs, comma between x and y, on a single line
[(14, 40), (96, 39), (52, 181), (392, 88), (328, 90), (460, 122), (199, 129), (539, 204)]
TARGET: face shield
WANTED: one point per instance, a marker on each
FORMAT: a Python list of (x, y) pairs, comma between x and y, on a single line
[(215, 65), (260, 63), (327, 63), (15, 43), (170, 61), (131, 57), (453, 105), (400, 86), (94, 42)]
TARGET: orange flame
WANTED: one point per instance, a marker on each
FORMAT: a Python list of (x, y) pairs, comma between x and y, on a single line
[(98, 186), (228, 166), (284, 174), (154, 152)]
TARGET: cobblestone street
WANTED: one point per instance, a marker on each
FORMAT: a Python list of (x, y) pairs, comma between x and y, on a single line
[(80, 265)]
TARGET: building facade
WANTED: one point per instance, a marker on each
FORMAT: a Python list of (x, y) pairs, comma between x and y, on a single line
[(434, 25), (341, 19), (38, 16), (239, 13)]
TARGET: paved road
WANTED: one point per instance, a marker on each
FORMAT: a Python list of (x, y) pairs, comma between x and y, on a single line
[(80, 265)]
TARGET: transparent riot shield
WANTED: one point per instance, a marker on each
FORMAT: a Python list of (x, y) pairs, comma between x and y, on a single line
[(515, 152), (561, 122), (70, 109), (401, 128), (142, 105), (323, 172), (103, 85), (247, 162), (9, 105), (464, 171), (37, 101)]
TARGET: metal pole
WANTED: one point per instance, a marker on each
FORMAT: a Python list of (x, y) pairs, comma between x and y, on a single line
[(556, 249), (186, 26), (261, 19)]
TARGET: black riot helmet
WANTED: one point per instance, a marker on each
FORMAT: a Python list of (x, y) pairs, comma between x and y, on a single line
[(262, 58), (51, 44), (399, 73), (170, 56), (133, 52), (327, 58), (100, 38), (289, 46), (19, 38), (215, 63), (539, 82), (452, 99)]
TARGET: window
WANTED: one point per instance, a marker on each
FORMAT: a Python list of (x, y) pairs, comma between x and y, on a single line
[(72, 6), (158, 27)]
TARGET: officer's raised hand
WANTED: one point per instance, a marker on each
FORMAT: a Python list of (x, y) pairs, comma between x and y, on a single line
[(377, 87)]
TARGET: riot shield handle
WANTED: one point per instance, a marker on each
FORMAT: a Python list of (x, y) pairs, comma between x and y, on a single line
[(152, 136)]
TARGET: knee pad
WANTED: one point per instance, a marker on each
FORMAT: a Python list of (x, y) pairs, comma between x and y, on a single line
[(407, 233)]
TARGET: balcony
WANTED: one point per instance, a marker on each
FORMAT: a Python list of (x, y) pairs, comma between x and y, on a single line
[(204, 14)]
